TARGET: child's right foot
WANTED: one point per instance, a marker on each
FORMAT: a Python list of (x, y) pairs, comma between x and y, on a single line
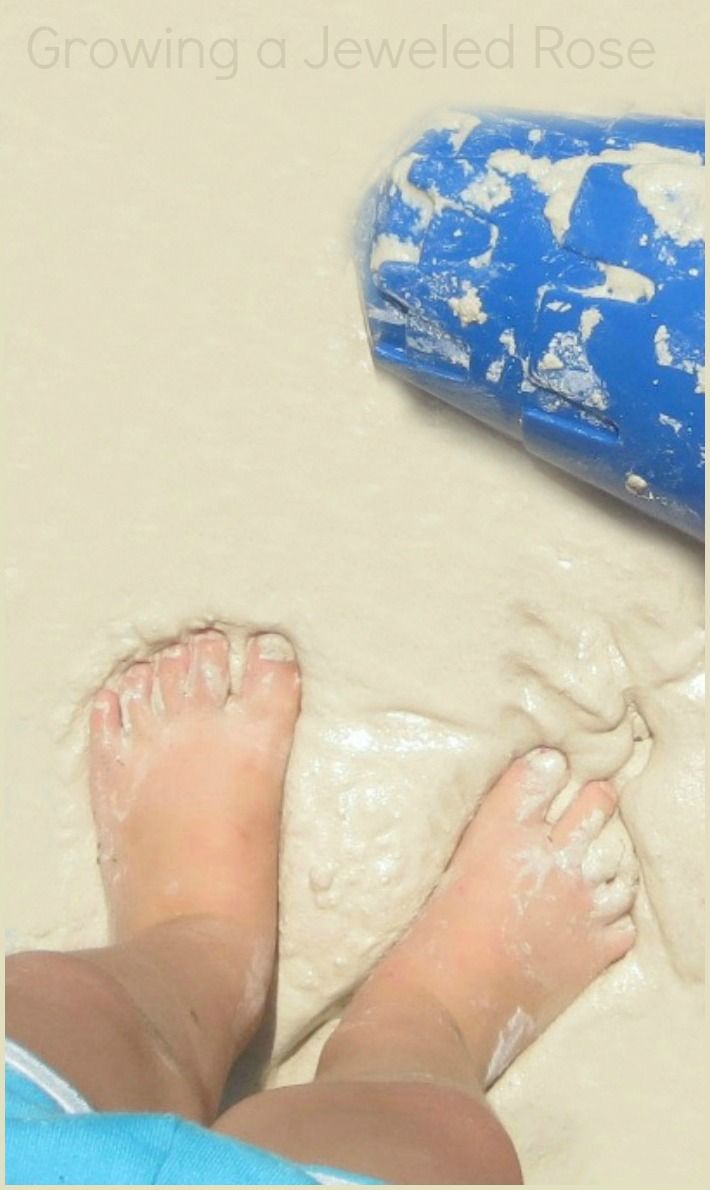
[(516, 930)]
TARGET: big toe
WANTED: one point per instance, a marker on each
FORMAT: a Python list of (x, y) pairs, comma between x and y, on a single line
[(105, 724), (271, 688), (529, 785)]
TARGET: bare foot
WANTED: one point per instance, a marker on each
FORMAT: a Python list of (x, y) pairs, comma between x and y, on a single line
[(187, 781), (517, 929)]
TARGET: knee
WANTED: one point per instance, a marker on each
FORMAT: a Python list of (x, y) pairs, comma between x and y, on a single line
[(57, 983), (486, 1147), (461, 1139), (49, 974), (412, 1133), (40, 975)]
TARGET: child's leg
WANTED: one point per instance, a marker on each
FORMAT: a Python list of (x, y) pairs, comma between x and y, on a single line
[(406, 1133), (149, 1025), (187, 781), (512, 936)]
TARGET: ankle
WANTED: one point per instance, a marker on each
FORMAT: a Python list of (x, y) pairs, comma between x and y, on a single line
[(234, 964), (200, 989), (399, 1034)]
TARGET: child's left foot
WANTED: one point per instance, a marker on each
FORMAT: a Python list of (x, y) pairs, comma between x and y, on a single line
[(187, 781)]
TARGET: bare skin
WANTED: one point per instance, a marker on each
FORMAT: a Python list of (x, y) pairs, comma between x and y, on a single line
[(515, 932), (187, 779), (187, 782), (513, 935), (186, 786)]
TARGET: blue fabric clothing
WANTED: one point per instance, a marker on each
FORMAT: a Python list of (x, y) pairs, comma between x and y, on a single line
[(53, 1137)]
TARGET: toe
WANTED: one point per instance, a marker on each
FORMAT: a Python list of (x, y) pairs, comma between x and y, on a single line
[(271, 688), (601, 863), (611, 854), (619, 938), (530, 784), (135, 691), (105, 721), (172, 671), (582, 822), (614, 899), (209, 676)]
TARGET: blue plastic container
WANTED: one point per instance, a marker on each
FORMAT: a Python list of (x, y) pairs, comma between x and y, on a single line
[(545, 274)]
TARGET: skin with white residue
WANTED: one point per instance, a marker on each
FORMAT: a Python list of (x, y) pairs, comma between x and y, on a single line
[(510, 1041)]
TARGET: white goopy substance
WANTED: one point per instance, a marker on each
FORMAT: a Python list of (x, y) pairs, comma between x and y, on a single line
[(673, 196), (622, 284), (488, 192), (510, 1042), (198, 433), (671, 355), (469, 307), (390, 247), (668, 182), (589, 320)]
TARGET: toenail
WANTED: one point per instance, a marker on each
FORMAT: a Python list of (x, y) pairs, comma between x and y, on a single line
[(625, 925), (548, 764), (273, 647)]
